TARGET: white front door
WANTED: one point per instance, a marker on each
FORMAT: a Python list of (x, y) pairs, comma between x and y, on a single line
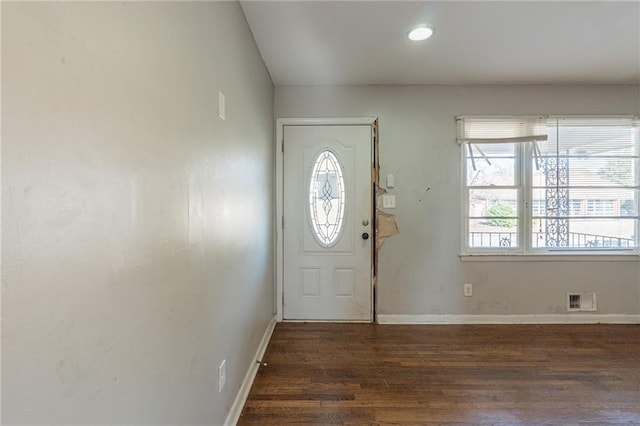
[(327, 222)]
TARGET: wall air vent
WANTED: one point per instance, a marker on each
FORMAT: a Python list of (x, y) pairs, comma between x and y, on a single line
[(581, 302)]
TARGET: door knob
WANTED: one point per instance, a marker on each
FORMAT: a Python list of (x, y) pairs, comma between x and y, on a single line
[(365, 236)]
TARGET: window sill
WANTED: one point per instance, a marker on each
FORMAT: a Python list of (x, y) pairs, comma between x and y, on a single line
[(625, 256)]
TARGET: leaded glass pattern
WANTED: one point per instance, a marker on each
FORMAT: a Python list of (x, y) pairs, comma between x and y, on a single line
[(327, 198)]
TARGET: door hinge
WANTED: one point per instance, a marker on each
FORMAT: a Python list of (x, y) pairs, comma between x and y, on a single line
[(282, 222), (282, 145)]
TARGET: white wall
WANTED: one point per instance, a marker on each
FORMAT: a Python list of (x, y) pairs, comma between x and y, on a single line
[(420, 270), (137, 227)]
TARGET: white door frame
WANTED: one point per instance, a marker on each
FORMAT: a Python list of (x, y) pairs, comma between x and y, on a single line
[(280, 123)]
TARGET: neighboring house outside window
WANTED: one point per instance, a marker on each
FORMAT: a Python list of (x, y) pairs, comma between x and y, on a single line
[(539, 184)]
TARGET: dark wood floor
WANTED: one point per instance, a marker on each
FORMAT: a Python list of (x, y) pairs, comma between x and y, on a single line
[(448, 374)]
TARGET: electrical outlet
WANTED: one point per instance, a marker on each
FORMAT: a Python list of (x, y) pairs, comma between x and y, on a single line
[(222, 375), (468, 290)]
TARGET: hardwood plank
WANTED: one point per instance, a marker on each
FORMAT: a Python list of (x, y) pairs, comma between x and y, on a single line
[(323, 373)]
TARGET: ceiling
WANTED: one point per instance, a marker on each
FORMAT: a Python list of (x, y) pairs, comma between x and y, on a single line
[(475, 42)]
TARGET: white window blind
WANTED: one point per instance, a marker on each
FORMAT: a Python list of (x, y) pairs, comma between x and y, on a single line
[(474, 131), (501, 130)]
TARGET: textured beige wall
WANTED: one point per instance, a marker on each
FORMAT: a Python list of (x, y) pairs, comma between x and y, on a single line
[(420, 272), (137, 227)]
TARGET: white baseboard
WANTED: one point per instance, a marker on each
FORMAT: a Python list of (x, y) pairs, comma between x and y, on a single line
[(512, 319), (245, 387)]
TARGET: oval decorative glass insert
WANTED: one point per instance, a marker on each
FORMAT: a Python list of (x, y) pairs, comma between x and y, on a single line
[(327, 198)]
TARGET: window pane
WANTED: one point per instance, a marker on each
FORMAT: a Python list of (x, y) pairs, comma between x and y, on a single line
[(506, 150), (571, 202), (495, 203), (500, 172), (496, 167), (494, 218), (585, 171), (583, 233), (484, 233)]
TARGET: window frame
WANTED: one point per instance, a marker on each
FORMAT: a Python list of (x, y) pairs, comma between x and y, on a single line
[(523, 180)]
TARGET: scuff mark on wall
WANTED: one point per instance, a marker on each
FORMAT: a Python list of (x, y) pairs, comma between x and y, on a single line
[(386, 227)]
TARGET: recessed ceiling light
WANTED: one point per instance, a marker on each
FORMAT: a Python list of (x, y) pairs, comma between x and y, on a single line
[(420, 33)]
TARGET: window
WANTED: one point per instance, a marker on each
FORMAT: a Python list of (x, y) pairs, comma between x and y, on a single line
[(538, 184), (327, 198)]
